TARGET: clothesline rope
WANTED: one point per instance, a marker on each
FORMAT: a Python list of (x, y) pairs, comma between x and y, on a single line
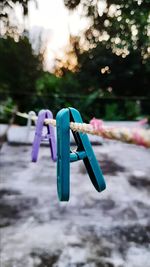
[(124, 134)]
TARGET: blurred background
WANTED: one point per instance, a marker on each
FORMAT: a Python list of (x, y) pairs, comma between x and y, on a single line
[(93, 55)]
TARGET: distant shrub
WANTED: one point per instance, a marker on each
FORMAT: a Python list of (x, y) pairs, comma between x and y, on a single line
[(113, 113), (132, 110)]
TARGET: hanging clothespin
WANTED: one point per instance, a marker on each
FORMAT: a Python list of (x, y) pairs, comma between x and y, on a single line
[(39, 136), (31, 114), (83, 152)]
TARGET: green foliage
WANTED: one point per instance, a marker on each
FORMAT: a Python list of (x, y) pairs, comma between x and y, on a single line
[(90, 99), (112, 112), (48, 84), (70, 84), (132, 110), (128, 21), (51, 85), (117, 38), (100, 68), (57, 92), (48, 92), (86, 104), (19, 70), (5, 105), (116, 63)]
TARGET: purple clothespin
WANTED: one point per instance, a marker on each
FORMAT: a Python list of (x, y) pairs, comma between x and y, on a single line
[(42, 115)]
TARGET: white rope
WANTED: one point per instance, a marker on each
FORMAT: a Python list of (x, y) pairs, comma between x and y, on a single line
[(134, 136)]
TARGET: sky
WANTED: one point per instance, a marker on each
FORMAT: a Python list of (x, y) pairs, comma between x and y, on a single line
[(55, 22)]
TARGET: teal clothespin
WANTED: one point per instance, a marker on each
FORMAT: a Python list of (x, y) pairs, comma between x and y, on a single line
[(83, 152)]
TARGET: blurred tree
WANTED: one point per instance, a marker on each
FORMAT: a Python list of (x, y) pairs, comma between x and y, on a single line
[(5, 5), (58, 92), (19, 70), (122, 25), (7, 25), (114, 54), (47, 84), (69, 61), (50, 85), (101, 69)]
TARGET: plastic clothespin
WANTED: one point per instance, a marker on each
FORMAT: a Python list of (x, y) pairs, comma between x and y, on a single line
[(42, 115), (83, 152), (31, 114)]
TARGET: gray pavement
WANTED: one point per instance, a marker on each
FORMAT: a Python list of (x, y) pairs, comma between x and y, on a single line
[(109, 229)]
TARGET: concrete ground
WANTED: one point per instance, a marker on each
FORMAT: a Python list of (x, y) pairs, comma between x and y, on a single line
[(108, 229)]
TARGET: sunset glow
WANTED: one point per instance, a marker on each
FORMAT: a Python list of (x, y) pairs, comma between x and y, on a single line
[(55, 24)]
